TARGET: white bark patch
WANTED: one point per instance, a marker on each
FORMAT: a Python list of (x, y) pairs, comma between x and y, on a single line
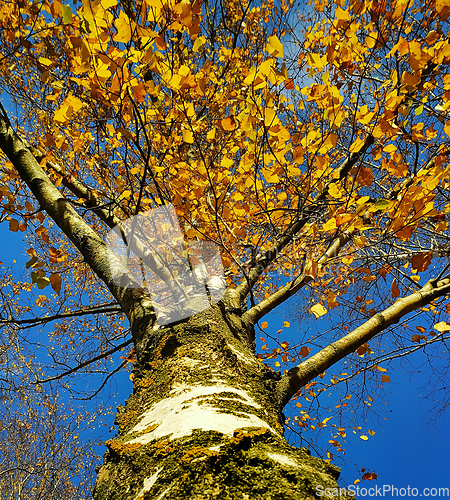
[(148, 483), (283, 459), (245, 359), (163, 494), (197, 408)]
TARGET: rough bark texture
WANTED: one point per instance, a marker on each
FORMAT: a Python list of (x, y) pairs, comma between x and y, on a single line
[(203, 423)]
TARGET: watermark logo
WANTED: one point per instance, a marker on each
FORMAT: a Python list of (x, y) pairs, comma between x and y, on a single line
[(385, 490), (183, 278)]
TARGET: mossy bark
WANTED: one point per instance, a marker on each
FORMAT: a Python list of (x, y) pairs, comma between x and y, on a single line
[(203, 422)]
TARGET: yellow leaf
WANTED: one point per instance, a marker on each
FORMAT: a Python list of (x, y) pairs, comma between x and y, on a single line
[(188, 136), (318, 310), (330, 225), (61, 114), (199, 43), (442, 327), (107, 4), (341, 14), (211, 134), (269, 117), (73, 102), (371, 432), (364, 438), (126, 194), (275, 47), (287, 324), (390, 148), (334, 191), (45, 62), (123, 27)]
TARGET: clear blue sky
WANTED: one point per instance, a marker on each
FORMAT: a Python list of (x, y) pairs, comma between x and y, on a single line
[(405, 450)]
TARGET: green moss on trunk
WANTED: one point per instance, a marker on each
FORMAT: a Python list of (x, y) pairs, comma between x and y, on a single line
[(205, 368)]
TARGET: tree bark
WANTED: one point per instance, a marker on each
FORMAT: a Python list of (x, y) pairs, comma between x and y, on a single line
[(203, 422)]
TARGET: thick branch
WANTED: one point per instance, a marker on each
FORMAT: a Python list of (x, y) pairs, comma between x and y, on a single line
[(157, 265), (265, 306), (134, 301), (300, 375)]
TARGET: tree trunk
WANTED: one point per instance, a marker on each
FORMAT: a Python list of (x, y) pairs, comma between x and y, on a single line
[(203, 422)]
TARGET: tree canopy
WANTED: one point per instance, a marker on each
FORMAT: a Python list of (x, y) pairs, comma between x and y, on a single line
[(309, 144)]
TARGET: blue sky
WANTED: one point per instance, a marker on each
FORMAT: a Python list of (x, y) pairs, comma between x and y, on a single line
[(406, 450)]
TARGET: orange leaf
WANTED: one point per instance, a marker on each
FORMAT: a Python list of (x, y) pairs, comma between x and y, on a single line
[(289, 84), (304, 351), (331, 300), (55, 281), (395, 292), (385, 378), (361, 350), (228, 124), (443, 8), (13, 225), (421, 261), (264, 324), (365, 176)]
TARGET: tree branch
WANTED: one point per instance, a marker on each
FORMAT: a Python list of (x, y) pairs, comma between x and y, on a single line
[(265, 306), (55, 317), (85, 363), (261, 263), (300, 375), (134, 301)]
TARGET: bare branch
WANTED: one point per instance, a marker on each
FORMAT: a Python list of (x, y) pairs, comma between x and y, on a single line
[(41, 321), (89, 362)]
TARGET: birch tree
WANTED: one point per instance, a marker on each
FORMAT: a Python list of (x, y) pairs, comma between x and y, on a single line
[(307, 148)]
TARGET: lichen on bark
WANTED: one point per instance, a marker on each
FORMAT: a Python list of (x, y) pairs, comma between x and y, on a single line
[(203, 422)]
